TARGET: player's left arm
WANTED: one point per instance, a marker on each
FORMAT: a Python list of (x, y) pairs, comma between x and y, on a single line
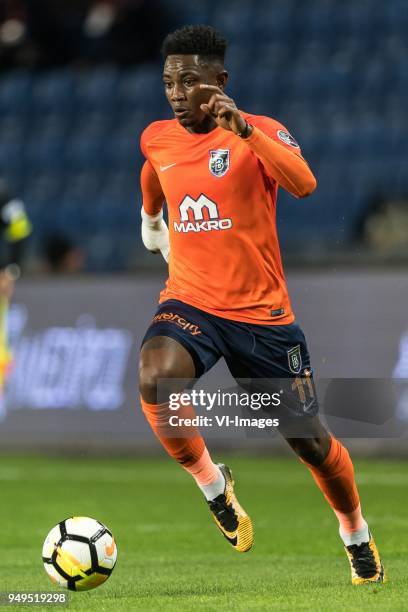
[(287, 167)]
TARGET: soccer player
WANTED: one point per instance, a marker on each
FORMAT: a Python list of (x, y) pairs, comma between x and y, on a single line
[(219, 169), (15, 229)]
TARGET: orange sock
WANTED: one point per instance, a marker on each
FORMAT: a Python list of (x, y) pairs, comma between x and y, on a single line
[(189, 450), (350, 521), (335, 478), (204, 471), (189, 446)]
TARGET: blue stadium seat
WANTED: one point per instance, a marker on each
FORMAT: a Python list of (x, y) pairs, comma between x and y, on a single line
[(133, 122), (44, 187), (15, 90), (84, 154), (12, 128), (233, 19), (123, 151), (395, 15), (182, 12), (47, 132), (93, 123), (274, 55), (44, 154), (272, 21), (53, 92), (11, 144), (96, 89), (83, 185), (138, 88), (11, 156), (109, 251)]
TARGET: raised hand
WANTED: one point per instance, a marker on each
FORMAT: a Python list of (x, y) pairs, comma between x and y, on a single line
[(223, 110)]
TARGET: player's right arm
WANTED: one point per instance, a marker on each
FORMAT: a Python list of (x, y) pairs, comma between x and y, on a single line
[(155, 234), (153, 196)]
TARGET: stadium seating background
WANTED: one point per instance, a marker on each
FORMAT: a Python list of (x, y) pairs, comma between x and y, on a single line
[(336, 74)]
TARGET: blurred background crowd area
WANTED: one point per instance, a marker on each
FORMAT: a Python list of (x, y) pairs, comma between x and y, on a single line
[(80, 79)]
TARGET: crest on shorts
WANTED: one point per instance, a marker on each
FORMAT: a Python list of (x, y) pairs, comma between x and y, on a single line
[(219, 162), (295, 360)]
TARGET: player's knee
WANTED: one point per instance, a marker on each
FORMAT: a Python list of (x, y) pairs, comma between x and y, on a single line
[(150, 378), (158, 380)]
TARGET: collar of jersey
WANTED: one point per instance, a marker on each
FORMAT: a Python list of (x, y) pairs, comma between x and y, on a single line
[(197, 135)]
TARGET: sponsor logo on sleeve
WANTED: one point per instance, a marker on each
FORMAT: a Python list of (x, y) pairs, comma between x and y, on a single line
[(278, 312), (287, 138)]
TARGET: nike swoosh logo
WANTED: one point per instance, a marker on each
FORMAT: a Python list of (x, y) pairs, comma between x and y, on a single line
[(164, 168), (233, 541), (309, 406)]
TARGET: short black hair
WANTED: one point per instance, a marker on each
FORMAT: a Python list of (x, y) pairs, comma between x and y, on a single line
[(202, 40)]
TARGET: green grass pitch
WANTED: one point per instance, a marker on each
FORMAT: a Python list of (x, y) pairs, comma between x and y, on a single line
[(171, 555)]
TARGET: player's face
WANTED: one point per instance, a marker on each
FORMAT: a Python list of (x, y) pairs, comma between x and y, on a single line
[(182, 76)]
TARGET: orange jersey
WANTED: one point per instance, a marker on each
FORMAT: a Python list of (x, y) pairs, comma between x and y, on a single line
[(221, 197)]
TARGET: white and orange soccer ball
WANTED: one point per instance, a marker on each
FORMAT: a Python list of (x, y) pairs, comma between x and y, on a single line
[(79, 553)]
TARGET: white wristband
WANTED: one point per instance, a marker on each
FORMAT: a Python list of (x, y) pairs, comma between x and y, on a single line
[(155, 233), (151, 219)]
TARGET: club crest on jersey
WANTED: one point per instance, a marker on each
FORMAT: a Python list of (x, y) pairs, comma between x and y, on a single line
[(219, 162), (287, 138), (295, 360)]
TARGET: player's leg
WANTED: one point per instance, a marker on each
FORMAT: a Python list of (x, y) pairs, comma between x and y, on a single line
[(165, 362), (332, 469), (279, 356), (177, 348), (328, 462)]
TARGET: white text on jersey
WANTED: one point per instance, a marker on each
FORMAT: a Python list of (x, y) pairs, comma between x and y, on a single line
[(197, 207)]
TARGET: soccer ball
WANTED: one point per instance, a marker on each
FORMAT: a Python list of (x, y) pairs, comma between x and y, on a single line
[(79, 553)]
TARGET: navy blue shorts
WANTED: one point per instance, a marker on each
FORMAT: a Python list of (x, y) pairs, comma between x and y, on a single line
[(251, 351)]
